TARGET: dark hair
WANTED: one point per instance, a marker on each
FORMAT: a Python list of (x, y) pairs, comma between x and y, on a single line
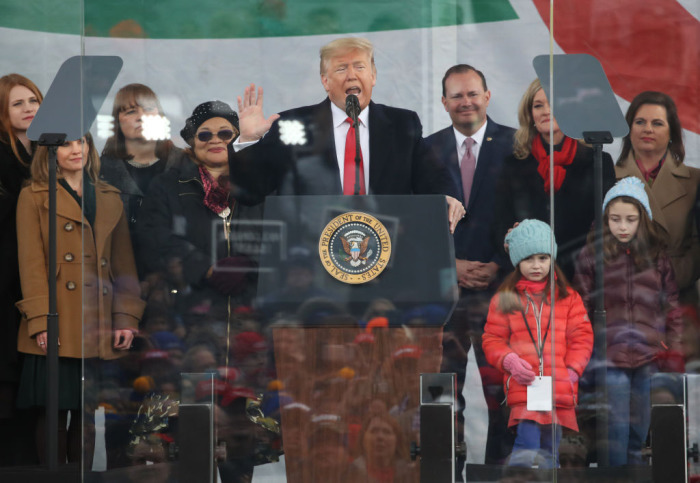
[(127, 97), (462, 69), (674, 123), (646, 245), (509, 300)]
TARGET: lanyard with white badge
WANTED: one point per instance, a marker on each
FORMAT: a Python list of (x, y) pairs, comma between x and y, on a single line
[(539, 393)]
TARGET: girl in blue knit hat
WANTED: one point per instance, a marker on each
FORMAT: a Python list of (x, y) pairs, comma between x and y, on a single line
[(644, 321), (518, 339)]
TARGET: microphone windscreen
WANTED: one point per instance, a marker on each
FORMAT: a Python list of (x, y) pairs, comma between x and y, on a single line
[(352, 106)]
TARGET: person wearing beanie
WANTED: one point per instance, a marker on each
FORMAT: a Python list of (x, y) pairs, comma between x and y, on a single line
[(190, 218), (643, 313), (517, 341)]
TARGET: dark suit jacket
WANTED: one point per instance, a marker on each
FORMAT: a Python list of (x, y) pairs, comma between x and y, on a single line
[(399, 161), (472, 236)]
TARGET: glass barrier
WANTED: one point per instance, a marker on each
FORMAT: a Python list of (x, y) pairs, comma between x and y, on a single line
[(245, 318)]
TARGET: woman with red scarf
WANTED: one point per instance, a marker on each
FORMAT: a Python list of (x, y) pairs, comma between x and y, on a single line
[(523, 188), (189, 218)]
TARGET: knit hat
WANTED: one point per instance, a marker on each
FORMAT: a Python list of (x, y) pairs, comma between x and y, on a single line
[(529, 238), (203, 113), (632, 187)]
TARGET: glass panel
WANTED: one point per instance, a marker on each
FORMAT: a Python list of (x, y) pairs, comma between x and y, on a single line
[(37, 37), (250, 359)]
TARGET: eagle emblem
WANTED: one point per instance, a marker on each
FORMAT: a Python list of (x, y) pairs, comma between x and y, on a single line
[(355, 244), (354, 247)]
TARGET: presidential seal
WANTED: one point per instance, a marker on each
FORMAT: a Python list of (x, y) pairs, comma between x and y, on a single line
[(354, 247)]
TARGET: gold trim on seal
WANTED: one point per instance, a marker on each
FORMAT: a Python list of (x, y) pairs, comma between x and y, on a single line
[(354, 247)]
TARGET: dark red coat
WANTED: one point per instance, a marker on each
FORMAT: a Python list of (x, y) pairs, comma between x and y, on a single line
[(642, 309)]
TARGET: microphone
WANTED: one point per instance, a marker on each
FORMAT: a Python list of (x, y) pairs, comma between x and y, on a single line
[(352, 107)]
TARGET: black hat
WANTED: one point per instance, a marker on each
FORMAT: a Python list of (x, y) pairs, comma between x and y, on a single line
[(203, 113)]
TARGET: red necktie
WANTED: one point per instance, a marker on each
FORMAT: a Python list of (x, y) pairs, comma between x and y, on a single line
[(350, 173), (467, 168)]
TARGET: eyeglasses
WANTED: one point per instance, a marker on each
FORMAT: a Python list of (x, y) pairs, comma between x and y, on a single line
[(206, 136)]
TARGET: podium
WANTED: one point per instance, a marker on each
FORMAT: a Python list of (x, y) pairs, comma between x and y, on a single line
[(357, 290)]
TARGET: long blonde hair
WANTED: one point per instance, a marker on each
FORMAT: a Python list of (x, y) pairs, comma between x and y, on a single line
[(7, 132), (522, 141), (40, 163)]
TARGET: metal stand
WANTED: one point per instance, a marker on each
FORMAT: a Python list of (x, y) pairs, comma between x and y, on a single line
[(52, 141), (597, 139), (437, 451)]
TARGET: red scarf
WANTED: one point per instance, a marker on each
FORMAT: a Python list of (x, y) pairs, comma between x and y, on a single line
[(561, 158), (531, 287), (216, 193)]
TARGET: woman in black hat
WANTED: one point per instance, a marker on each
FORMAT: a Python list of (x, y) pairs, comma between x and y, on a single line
[(189, 218)]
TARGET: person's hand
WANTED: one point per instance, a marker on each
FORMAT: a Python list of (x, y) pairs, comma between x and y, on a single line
[(251, 119), (475, 275), (519, 368), (42, 339), (573, 375), (505, 245), (455, 212), (123, 339)]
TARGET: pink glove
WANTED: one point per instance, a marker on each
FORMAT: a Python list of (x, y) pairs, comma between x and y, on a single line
[(520, 369), (573, 376)]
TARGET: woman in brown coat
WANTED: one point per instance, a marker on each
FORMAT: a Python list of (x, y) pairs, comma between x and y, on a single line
[(653, 151), (97, 288)]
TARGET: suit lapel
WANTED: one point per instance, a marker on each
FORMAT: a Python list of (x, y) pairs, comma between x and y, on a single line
[(107, 216), (667, 188), (630, 168), (66, 206), (326, 144), (381, 137), (482, 163)]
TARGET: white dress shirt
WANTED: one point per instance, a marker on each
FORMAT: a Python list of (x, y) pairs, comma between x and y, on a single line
[(478, 138)]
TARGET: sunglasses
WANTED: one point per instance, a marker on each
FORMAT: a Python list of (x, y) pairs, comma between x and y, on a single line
[(206, 136)]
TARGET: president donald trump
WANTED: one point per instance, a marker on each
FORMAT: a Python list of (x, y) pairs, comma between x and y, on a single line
[(311, 150)]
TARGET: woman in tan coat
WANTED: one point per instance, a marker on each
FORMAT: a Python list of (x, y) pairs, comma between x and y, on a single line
[(97, 288), (653, 151)]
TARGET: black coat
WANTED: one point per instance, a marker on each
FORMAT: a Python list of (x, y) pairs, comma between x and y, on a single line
[(12, 176), (113, 171), (472, 238), (520, 194), (399, 160), (174, 223)]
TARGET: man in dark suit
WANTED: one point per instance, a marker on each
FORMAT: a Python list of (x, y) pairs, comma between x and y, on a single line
[(310, 150), (473, 148)]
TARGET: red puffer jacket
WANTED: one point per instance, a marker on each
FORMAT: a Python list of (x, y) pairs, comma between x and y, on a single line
[(505, 333), (643, 314)]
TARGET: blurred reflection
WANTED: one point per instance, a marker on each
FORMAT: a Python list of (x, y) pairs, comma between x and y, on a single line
[(383, 453), (130, 160)]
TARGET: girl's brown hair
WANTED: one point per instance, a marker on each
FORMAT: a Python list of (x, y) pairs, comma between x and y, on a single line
[(509, 299), (7, 133), (646, 245), (40, 163), (129, 96)]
